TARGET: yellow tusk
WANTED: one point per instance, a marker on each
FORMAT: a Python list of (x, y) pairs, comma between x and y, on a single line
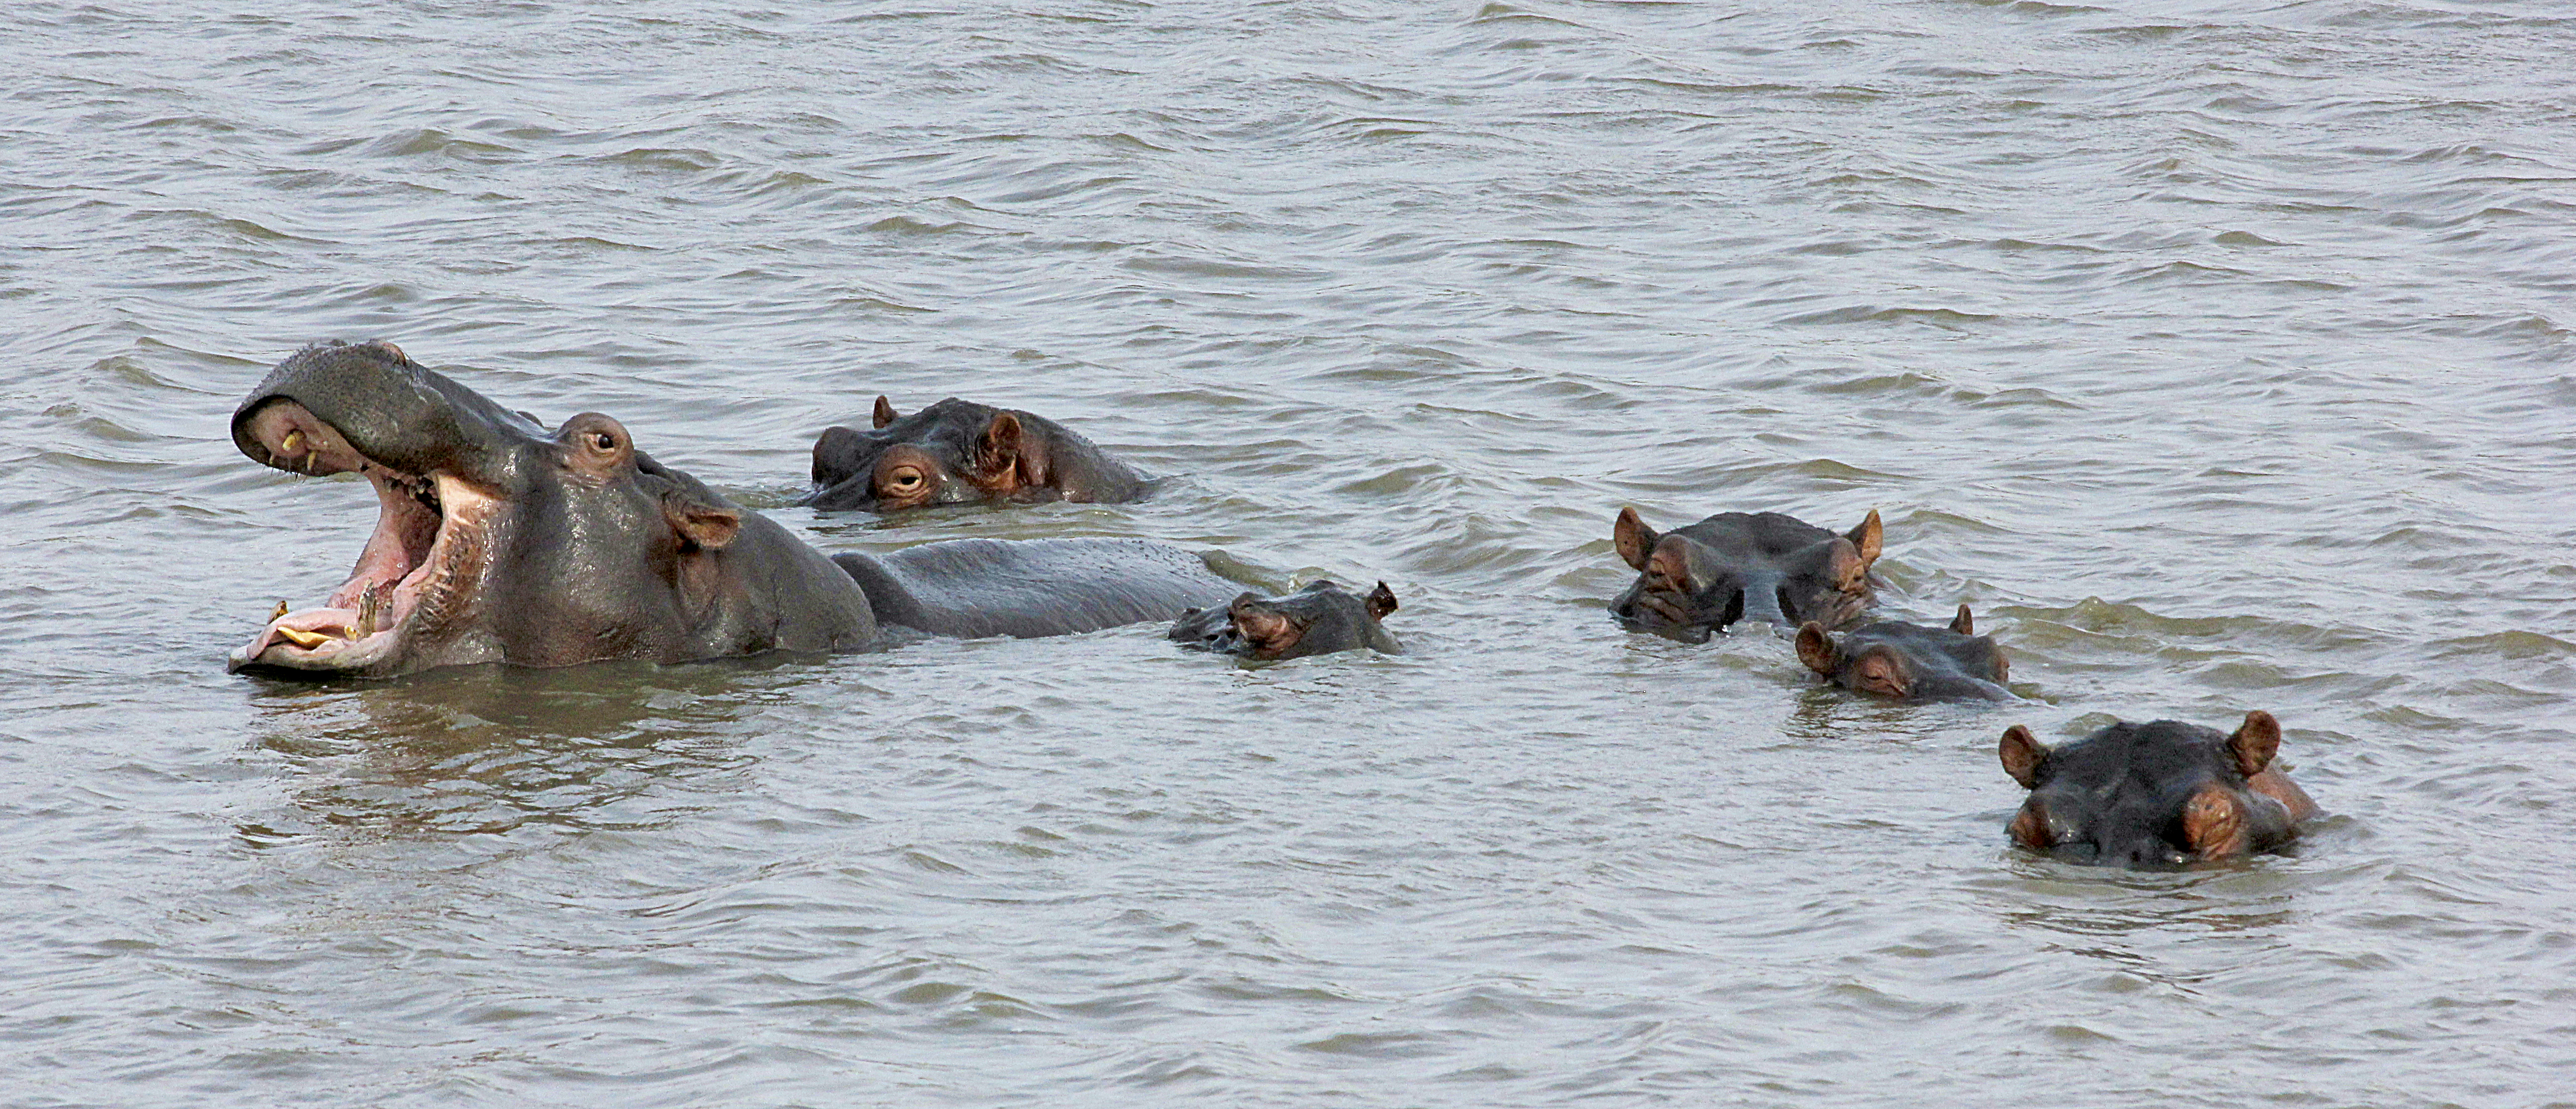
[(304, 639), (370, 604), (293, 442), (278, 615)]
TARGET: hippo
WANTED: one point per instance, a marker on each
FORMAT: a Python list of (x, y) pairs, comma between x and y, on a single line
[(497, 540), (2157, 794), (1697, 579), (1319, 619), (972, 588), (1909, 661), (961, 452)]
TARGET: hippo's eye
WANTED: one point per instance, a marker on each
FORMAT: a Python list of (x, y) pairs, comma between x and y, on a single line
[(603, 442), (904, 480)]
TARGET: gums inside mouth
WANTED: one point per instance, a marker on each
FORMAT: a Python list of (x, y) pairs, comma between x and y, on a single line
[(426, 526)]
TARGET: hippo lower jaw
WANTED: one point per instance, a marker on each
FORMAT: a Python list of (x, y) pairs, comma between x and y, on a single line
[(431, 535)]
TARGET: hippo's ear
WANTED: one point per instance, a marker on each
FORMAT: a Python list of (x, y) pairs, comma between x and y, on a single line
[(1002, 457), (1963, 623), (2255, 742), (702, 523), (2022, 753), (1381, 601), (885, 413), (1816, 649), (1635, 540), (1866, 538)]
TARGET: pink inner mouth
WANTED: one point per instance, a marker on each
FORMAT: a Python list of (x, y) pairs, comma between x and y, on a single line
[(423, 532)]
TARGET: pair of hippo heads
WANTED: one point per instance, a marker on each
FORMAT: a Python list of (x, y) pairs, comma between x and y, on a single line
[(961, 452), (1319, 619), (498, 540), (1910, 662), (2163, 793), (1736, 566)]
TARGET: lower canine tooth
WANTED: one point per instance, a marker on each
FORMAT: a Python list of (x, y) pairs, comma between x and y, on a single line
[(370, 604), (280, 613)]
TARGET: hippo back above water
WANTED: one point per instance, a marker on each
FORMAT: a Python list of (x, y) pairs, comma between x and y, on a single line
[(2163, 793), (960, 452), (1909, 661), (971, 588), (1733, 566)]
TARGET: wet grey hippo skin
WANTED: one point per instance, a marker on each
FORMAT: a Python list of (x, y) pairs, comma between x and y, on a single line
[(2159, 794), (1319, 619), (1697, 579), (960, 452), (498, 540), (1909, 661), (1033, 587)]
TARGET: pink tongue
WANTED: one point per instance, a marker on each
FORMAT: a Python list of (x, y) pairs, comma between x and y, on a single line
[(322, 621)]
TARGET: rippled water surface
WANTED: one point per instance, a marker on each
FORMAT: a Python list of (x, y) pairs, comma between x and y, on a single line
[(2219, 354)]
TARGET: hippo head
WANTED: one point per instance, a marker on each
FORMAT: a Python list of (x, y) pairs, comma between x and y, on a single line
[(1909, 661), (1734, 566), (499, 541), (1319, 619), (953, 452), (2159, 794)]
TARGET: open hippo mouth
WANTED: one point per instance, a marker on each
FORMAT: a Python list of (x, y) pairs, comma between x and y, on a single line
[(432, 532)]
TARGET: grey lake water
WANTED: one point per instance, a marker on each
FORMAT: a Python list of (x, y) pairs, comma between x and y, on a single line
[(2219, 354)]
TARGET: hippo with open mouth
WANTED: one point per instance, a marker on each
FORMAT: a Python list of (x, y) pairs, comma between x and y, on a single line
[(499, 541), (1697, 579)]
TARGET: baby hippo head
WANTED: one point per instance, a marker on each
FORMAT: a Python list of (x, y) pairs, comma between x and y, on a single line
[(1319, 619), (2158, 794), (1909, 661)]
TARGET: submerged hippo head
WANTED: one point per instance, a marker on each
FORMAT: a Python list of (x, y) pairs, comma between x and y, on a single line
[(1319, 619), (499, 541), (1909, 661), (1694, 580), (2157, 794), (960, 452)]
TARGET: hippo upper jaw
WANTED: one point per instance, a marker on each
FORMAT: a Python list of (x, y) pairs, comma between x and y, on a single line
[(430, 545)]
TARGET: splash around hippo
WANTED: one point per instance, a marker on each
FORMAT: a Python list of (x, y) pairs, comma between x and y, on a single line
[(2163, 793), (961, 452)]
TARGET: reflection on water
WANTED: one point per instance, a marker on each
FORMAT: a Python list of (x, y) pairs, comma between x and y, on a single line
[(2217, 357), (487, 748)]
